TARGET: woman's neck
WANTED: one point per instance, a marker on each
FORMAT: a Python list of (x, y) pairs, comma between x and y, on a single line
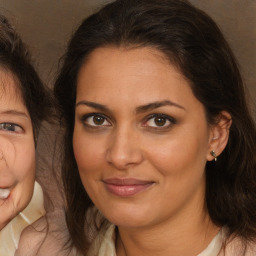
[(187, 237)]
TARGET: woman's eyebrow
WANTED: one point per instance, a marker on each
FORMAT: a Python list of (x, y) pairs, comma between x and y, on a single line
[(157, 104), (14, 113), (93, 105), (139, 109)]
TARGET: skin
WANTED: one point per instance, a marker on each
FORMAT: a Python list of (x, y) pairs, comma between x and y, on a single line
[(17, 150), (130, 136)]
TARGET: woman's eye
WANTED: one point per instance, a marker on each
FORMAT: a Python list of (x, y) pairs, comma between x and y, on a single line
[(10, 127), (96, 120), (158, 121)]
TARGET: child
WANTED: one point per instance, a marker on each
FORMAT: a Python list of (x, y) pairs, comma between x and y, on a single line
[(24, 104)]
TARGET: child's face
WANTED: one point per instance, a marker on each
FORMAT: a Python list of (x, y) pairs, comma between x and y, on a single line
[(17, 151)]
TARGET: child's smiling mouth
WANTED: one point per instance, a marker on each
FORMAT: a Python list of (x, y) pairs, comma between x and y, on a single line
[(4, 193)]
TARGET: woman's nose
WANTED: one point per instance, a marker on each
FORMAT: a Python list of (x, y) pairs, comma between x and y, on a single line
[(124, 150)]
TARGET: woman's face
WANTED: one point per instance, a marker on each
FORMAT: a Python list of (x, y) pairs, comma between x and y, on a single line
[(141, 139), (17, 151)]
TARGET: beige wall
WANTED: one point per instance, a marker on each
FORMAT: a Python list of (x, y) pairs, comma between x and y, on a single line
[(237, 19), (46, 25)]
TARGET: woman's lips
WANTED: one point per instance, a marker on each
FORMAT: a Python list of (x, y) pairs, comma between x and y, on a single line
[(126, 187)]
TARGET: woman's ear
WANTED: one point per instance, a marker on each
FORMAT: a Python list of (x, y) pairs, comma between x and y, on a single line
[(219, 135)]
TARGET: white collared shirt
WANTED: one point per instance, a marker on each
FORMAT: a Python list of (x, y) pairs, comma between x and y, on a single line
[(104, 243), (10, 234)]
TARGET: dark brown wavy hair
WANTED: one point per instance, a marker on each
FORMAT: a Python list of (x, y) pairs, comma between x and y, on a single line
[(191, 40), (15, 60)]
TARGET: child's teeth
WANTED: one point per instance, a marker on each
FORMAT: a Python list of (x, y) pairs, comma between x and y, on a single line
[(4, 193)]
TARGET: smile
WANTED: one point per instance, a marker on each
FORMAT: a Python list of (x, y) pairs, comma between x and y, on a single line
[(126, 187), (4, 193)]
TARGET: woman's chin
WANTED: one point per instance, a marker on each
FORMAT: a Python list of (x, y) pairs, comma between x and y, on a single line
[(129, 220)]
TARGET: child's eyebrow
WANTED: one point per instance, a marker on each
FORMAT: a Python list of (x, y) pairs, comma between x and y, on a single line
[(14, 113)]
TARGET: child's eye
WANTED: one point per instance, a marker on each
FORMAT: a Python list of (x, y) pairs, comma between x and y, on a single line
[(95, 120), (10, 127), (159, 121)]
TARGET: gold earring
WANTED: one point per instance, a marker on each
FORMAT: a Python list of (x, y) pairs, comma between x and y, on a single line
[(214, 155)]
